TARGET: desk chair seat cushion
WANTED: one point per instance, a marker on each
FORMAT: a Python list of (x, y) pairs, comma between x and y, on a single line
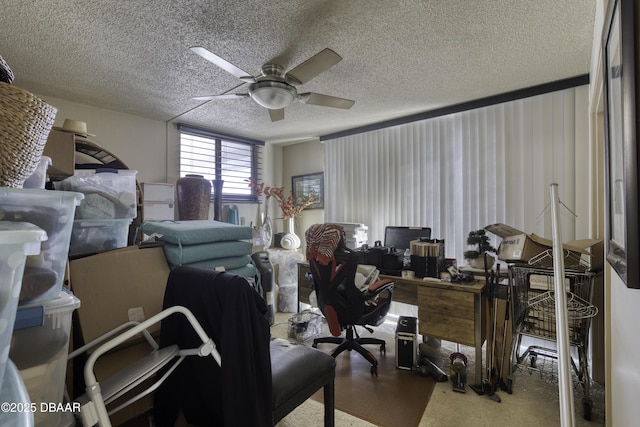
[(233, 314), (298, 372)]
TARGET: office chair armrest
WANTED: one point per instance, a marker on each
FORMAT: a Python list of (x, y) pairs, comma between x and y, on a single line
[(377, 288), (381, 285)]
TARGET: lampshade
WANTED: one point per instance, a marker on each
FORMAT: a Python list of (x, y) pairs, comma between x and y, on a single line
[(272, 95)]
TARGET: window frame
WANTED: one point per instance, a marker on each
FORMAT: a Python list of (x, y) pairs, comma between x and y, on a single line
[(218, 166)]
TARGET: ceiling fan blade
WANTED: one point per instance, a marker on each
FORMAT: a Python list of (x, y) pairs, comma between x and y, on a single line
[(223, 63), (313, 66), (326, 100), (226, 96), (276, 115)]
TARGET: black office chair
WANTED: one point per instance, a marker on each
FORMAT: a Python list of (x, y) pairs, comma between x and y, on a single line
[(333, 268)]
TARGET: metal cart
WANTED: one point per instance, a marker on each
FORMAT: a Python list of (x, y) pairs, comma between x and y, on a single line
[(533, 311)]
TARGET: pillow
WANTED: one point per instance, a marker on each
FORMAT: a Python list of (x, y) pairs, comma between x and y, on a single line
[(196, 231)]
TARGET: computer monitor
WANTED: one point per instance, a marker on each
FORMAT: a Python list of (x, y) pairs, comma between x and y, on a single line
[(400, 237)]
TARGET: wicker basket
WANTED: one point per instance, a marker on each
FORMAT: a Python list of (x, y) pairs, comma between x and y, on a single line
[(25, 123), (6, 75)]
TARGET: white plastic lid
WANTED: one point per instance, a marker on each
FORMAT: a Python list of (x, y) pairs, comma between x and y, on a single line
[(5, 192), (32, 315), (65, 301), (90, 172), (12, 233)]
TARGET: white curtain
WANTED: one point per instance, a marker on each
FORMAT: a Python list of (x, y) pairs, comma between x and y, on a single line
[(463, 171)]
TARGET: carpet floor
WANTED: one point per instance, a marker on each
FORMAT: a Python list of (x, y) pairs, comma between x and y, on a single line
[(395, 397), (534, 400)]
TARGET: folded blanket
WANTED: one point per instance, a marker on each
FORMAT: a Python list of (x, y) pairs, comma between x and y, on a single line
[(322, 241)]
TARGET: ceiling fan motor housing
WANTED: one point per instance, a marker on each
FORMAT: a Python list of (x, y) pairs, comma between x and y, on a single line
[(271, 90)]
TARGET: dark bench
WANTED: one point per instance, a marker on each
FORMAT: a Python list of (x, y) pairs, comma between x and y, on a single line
[(297, 372)]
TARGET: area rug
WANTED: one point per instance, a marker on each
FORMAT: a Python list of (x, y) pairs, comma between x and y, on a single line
[(396, 397)]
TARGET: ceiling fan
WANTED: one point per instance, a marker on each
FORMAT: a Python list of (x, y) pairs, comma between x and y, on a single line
[(274, 88)]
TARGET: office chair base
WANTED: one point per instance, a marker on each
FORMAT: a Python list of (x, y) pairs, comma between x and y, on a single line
[(350, 343)]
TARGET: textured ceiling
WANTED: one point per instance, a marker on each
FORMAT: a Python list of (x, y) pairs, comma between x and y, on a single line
[(399, 57)]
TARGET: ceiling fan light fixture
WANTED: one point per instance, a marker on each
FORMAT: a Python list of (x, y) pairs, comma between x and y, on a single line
[(273, 95)]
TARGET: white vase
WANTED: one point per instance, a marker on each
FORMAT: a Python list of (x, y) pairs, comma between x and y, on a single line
[(267, 231), (290, 240)]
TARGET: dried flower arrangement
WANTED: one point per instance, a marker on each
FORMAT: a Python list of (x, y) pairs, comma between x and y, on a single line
[(287, 204)]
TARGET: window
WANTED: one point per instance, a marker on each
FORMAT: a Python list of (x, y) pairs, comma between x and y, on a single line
[(216, 156)]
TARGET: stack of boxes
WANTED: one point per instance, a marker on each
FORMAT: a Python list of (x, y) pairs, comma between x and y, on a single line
[(355, 234), (110, 204), (427, 257), (40, 340), (157, 201), (17, 240)]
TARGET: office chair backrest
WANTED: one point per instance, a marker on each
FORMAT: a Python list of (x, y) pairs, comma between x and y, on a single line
[(335, 286)]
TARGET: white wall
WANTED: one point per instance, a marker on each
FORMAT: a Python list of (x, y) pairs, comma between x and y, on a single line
[(150, 147), (301, 159), (140, 143), (621, 303)]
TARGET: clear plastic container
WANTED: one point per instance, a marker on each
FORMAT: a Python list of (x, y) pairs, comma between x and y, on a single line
[(39, 177), (39, 348), (13, 391), (17, 240), (53, 211), (109, 193), (91, 236)]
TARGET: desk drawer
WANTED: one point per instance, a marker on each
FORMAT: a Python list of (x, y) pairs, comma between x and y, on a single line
[(448, 328), (447, 314), (433, 301)]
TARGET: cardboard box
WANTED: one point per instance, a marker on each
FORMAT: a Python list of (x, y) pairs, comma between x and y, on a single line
[(61, 148), (111, 363), (118, 286), (518, 246), (158, 192), (158, 211), (115, 287)]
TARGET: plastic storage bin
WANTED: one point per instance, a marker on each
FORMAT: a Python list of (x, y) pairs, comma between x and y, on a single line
[(17, 240), (39, 348), (52, 211), (39, 177), (90, 236), (109, 193), (14, 392)]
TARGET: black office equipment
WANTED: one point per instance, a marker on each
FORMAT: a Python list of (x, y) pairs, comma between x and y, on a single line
[(400, 237)]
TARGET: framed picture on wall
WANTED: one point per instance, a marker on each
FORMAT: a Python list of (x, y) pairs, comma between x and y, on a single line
[(309, 185), (621, 163)]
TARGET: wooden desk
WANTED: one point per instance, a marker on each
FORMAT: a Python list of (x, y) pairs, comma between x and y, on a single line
[(450, 311)]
